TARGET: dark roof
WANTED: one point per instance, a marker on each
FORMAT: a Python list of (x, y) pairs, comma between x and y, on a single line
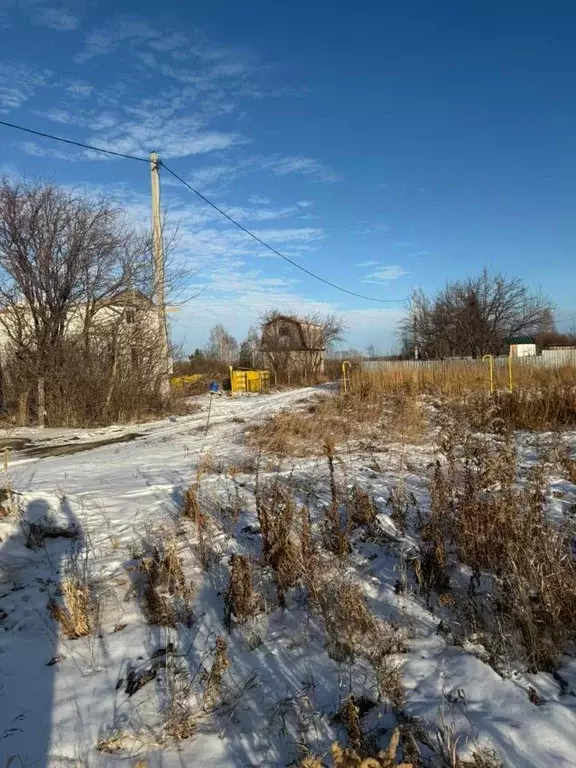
[(520, 340)]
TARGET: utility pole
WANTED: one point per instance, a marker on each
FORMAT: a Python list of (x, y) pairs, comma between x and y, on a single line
[(159, 279)]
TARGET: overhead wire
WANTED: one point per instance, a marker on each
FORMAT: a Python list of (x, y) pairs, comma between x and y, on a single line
[(274, 250), (223, 213), (74, 143), (565, 320)]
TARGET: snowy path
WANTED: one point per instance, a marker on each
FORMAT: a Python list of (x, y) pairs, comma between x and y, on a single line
[(55, 715)]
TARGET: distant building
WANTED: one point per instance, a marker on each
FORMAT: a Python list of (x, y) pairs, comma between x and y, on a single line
[(521, 346), (126, 323), (294, 349)]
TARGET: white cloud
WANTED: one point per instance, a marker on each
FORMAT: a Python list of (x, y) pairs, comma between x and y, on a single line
[(225, 173), (169, 42), (169, 135), (261, 214), (302, 235), (385, 274), (259, 200), (367, 264), (79, 89), (371, 228), (18, 83), (106, 39), (40, 150), (59, 18), (306, 166)]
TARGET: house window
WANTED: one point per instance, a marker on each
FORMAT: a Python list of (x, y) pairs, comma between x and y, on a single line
[(130, 316)]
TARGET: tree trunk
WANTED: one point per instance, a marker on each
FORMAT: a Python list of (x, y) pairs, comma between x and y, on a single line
[(23, 408), (113, 374), (41, 402)]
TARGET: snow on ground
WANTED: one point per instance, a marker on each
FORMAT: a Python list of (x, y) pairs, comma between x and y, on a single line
[(59, 698)]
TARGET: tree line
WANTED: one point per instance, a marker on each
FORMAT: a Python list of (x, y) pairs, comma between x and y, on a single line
[(474, 317)]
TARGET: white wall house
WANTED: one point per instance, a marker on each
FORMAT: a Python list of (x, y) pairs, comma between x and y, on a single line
[(129, 319)]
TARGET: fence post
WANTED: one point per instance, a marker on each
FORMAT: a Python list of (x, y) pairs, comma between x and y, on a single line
[(510, 373)]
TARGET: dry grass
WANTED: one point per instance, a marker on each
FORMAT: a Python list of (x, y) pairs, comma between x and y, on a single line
[(459, 377), (351, 628), (190, 506), (75, 613), (111, 743), (401, 503), (276, 512), (213, 681), (502, 532), (240, 600), (336, 533), (166, 595), (360, 508), (348, 757), (364, 413)]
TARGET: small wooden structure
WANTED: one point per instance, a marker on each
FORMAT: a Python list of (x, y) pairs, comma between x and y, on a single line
[(294, 349)]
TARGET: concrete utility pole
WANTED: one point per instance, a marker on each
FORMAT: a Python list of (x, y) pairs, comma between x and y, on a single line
[(159, 279)]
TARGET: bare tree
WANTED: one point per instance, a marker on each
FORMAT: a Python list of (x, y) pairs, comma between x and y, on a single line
[(250, 354), (473, 317), (64, 258), (222, 346)]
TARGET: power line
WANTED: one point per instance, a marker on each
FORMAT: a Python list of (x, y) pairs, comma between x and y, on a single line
[(566, 320), (273, 250), (74, 143), (208, 202)]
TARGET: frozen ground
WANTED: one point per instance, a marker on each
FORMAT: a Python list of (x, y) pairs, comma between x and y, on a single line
[(59, 698)]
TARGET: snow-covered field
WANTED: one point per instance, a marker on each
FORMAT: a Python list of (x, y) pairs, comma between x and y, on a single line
[(61, 698)]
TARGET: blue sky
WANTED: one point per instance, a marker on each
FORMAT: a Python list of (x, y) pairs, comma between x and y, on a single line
[(384, 145)]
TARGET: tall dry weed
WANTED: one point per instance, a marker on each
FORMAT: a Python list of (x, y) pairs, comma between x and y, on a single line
[(75, 613), (166, 595), (240, 600), (336, 538), (502, 531), (351, 629), (276, 511), (213, 679)]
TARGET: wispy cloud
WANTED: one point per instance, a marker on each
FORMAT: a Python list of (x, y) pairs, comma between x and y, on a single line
[(306, 166), (386, 274), (60, 18), (259, 200), (173, 137), (18, 82), (40, 150), (63, 16), (106, 39), (378, 227), (367, 264)]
